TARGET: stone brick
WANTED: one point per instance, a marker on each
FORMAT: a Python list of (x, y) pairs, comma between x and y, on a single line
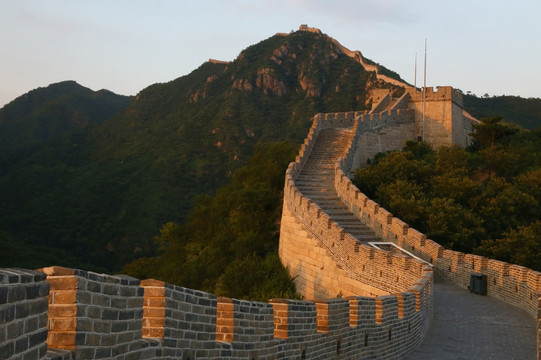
[(16, 293), (60, 310), (22, 310), (62, 283), (69, 324), (7, 350), (3, 294), (61, 340)]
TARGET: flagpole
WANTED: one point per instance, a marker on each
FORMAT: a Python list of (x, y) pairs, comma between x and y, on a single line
[(415, 79), (424, 97)]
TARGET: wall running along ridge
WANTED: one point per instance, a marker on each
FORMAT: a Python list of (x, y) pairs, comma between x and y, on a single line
[(326, 260), (511, 283), (386, 308)]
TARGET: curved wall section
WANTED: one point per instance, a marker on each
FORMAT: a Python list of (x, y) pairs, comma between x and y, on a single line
[(327, 261), (513, 284)]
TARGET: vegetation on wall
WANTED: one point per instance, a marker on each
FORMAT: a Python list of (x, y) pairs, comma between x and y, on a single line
[(483, 200), (229, 244)]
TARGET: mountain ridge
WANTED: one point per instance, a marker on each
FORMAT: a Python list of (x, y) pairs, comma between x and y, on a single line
[(93, 194), (102, 191)]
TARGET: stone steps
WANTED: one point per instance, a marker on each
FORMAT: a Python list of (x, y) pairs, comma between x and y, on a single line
[(316, 181)]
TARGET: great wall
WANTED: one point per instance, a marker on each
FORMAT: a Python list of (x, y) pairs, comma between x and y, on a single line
[(365, 299)]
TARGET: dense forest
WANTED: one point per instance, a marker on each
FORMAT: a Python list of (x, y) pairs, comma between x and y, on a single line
[(229, 244), (483, 200), (514, 109), (94, 196)]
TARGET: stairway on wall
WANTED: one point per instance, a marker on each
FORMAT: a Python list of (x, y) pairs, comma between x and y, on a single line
[(316, 181)]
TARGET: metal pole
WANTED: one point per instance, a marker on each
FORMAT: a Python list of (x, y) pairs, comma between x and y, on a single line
[(424, 96), (415, 79)]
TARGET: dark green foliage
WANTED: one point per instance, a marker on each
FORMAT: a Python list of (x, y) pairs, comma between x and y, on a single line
[(479, 200), (518, 246), (102, 190), (229, 243), (491, 131), (45, 113), (514, 109)]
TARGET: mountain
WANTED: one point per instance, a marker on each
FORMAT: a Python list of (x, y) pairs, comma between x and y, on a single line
[(45, 113), (93, 191), (514, 109), (88, 179)]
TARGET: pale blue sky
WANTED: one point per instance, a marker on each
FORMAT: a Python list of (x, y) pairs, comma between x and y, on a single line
[(124, 46)]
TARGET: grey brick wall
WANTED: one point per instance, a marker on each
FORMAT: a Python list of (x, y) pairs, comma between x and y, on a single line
[(23, 314)]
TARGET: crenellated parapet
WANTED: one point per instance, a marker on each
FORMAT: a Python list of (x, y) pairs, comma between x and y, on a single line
[(328, 260), (61, 313), (398, 286), (23, 314), (442, 93), (513, 284), (322, 121), (362, 263)]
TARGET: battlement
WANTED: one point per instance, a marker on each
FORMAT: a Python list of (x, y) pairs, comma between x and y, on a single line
[(77, 314), (345, 265), (305, 27), (511, 283), (214, 61), (441, 93), (320, 253)]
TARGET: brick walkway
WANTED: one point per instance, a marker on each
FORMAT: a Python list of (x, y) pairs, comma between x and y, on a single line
[(470, 326), (465, 326)]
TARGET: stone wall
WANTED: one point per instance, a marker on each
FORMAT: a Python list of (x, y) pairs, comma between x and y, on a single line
[(23, 314), (513, 284), (444, 121), (97, 316), (391, 123), (321, 254), (327, 261), (382, 132)]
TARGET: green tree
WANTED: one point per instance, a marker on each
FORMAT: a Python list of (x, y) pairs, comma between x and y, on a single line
[(452, 225), (463, 198), (407, 200), (519, 246), (490, 131), (256, 278), (229, 243), (487, 139)]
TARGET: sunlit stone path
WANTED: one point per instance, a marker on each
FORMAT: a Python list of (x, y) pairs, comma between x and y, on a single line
[(468, 326)]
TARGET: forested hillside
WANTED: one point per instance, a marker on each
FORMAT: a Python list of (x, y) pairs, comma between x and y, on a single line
[(229, 243), (94, 196), (514, 109), (45, 113)]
